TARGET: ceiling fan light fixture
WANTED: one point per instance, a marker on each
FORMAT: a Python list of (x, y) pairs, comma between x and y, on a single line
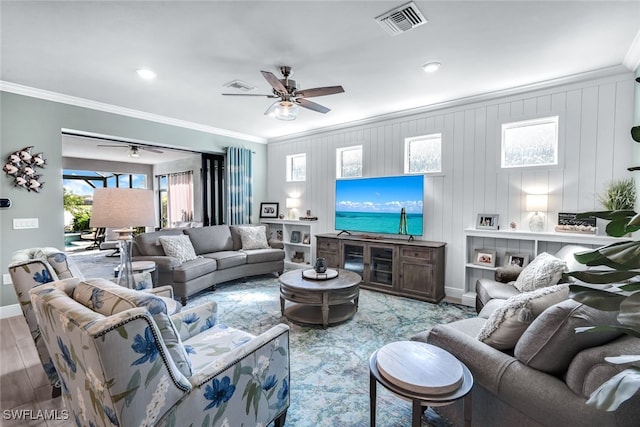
[(284, 110), (431, 67), (134, 152)]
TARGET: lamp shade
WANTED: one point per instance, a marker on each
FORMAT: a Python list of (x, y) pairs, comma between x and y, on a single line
[(292, 203), (122, 207), (536, 202)]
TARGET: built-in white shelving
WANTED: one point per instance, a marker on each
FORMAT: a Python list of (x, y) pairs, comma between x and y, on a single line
[(284, 229), (516, 241)]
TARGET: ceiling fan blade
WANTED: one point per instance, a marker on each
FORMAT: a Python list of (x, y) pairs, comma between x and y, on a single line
[(153, 150), (312, 106), (274, 82), (319, 91), (112, 146), (249, 94)]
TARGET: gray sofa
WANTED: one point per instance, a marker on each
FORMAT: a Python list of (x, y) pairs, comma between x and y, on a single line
[(220, 258), (548, 386)]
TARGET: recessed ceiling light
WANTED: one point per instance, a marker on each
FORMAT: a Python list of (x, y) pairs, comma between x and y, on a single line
[(146, 74), (431, 67)]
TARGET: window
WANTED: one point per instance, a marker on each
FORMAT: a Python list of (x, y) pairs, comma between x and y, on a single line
[(349, 162), (423, 154), (530, 143), (297, 167)]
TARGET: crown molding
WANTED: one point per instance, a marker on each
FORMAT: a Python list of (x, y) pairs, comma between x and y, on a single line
[(632, 58), (547, 84), (108, 108)]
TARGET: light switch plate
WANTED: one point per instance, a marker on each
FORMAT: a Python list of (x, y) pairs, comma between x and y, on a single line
[(24, 223), (6, 279)]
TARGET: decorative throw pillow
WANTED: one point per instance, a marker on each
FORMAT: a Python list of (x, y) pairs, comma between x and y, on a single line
[(544, 270), (107, 298), (179, 247), (507, 323), (253, 237), (551, 342)]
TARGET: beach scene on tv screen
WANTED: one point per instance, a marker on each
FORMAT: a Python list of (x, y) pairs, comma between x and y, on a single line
[(375, 204)]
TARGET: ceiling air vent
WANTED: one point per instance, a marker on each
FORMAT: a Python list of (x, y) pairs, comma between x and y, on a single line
[(401, 19), (237, 84)]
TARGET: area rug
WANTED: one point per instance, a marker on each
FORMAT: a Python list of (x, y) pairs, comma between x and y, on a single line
[(329, 367)]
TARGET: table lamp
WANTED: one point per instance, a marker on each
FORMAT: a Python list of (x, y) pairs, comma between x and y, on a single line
[(292, 204), (536, 203), (123, 209)]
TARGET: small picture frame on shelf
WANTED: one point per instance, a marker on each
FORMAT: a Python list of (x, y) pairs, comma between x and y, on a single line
[(269, 210), (295, 237), (306, 239), (484, 257), (487, 221), (513, 259)]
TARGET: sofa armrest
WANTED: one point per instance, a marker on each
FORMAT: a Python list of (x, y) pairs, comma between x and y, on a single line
[(195, 320), (487, 364), (276, 244), (276, 340), (507, 274)]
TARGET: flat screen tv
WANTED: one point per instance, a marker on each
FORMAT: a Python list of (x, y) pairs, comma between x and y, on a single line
[(375, 205)]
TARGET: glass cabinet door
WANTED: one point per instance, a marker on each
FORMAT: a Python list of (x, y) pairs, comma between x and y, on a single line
[(354, 258), (381, 266)]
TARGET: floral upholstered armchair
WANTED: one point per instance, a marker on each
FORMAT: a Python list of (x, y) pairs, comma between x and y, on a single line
[(122, 360), (36, 266)]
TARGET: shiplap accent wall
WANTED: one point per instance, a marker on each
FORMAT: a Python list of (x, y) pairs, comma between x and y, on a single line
[(594, 147)]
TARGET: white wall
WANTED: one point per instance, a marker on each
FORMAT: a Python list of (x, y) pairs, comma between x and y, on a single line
[(595, 147)]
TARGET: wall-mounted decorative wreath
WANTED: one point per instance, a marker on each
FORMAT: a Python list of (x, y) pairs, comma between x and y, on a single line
[(22, 167)]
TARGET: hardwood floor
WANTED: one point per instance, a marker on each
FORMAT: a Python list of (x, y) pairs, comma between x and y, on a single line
[(25, 392)]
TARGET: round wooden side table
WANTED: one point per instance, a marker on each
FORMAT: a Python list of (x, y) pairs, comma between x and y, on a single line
[(422, 373), (141, 267)]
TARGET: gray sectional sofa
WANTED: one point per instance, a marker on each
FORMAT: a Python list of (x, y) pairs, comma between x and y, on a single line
[(547, 374), (220, 257)]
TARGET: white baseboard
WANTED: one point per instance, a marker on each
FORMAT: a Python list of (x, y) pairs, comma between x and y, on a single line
[(10, 311)]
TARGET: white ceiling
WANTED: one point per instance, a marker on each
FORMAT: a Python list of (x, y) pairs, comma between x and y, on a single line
[(94, 148), (92, 49)]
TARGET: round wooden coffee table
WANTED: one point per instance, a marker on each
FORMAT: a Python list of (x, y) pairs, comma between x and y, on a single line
[(423, 373), (319, 302)]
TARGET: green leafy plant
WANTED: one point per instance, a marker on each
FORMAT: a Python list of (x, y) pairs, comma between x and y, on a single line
[(623, 262), (619, 195), (81, 219)]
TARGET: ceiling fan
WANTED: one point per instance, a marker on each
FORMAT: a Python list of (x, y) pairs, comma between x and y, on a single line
[(290, 96), (134, 150)]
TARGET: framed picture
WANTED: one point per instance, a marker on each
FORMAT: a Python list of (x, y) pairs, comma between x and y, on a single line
[(484, 257), (306, 239), (487, 221), (568, 223), (269, 210), (295, 237), (516, 259)]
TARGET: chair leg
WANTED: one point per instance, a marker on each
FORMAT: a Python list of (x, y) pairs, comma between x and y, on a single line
[(56, 391), (279, 422), (183, 301)]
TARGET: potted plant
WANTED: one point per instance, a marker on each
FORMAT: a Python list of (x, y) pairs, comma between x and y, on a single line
[(619, 195), (623, 262)]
